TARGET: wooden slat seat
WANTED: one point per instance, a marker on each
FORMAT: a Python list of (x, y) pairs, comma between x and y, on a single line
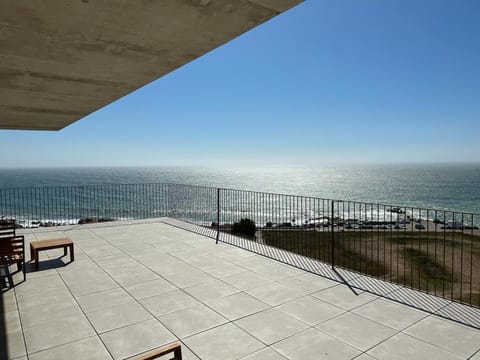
[(164, 350), (41, 245)]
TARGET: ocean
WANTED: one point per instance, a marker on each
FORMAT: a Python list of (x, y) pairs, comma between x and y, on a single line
[(445, 187), (451, 187)]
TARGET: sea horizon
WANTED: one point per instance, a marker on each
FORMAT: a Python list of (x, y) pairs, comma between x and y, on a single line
[(445, 186)]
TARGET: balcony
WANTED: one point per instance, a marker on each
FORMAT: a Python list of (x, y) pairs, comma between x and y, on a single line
[(136, 285)]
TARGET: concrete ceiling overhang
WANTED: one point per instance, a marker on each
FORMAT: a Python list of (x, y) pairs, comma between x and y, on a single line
[(61, 60)]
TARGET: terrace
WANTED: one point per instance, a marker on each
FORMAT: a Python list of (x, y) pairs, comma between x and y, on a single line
[(139, 284)]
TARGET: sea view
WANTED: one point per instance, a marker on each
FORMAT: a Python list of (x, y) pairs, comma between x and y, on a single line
[(240, 180), (446, 187)]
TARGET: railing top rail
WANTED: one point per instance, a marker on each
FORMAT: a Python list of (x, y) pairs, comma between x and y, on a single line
[(77, 186)]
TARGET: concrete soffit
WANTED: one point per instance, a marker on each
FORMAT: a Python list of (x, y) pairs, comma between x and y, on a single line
[(62, 60)]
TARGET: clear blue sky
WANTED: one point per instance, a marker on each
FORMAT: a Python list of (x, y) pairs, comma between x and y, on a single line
[(338, 81)]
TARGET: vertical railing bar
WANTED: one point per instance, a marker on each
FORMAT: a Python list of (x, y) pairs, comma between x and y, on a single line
[(472, 224), (218, 215), (453, 253), (332, 236), (461, 258)]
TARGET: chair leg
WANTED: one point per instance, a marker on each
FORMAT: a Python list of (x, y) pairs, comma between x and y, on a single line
[(10, 278), (177, 354), (6, 274)]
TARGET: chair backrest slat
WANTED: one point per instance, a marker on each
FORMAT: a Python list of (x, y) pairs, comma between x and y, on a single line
[(11, 248), (7, 228)]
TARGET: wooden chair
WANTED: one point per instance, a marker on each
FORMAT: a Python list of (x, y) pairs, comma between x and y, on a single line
[(164, 350), (12, 246)]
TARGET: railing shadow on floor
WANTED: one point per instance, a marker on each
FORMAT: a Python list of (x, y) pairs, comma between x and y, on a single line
[(444, 308)]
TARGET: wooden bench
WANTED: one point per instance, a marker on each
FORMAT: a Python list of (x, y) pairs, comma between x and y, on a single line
[(37, 246), (155, 354)]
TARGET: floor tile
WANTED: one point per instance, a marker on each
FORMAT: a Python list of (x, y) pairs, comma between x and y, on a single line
[(247, 280), (276, 271), (344, 297), (308, 282), (464, 314), (46, 283), (150, 288), (458, 339), (169, 302), (315, 345), (184, 278), (236, 305), (44, 297), (271, 325), (476, 356), (226, 342), (275, 294), (230, 284), (401, 347), (210, 290), (103, 299), (15, 344), (56, 333), (265, 354), (135, 339), (9, 301), (311, 310), (390, 314), (128, 278), (84, 286), (11, 322), (117, 316), (356, 330), (191, 320), (54, 311), (365, 356), (90, 348)]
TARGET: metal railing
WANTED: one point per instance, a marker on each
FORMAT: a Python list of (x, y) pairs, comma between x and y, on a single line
[(435, 251), (68, 205)]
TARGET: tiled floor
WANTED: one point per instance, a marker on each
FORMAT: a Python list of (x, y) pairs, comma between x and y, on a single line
[(135, 286)]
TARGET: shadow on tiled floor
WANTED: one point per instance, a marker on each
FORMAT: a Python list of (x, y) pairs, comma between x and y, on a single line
[(445, 308)]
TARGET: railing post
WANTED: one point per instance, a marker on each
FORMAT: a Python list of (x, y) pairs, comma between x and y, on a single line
[(332, 236), (167, 194), (218, 215)]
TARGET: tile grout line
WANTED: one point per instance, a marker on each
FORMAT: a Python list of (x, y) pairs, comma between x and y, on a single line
[(18, 308), (228, 321), (241, 291), (84, 314), (21, 324), (357, 276), (137, 301), (97, 335), (200, 301)]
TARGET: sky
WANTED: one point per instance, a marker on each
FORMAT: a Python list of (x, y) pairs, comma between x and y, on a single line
[(328, 82)]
